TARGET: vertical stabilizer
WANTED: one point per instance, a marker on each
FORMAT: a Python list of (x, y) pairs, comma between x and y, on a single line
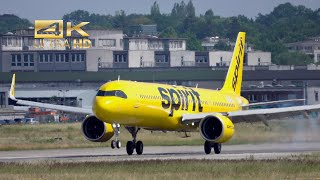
[(234, 76)]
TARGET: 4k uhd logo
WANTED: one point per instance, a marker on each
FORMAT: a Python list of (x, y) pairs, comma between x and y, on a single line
[(53, 29), (50, 33)]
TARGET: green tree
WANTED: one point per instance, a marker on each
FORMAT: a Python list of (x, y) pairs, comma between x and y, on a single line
[(233, 28), (268, 32), (193, 43), (222, 46), (179, 10), (292, 58), (188, 24), (190, 9), (120, 20), (169, 32), (10, 22), (209, 13), (164, 21), (77, 16), (97, 21), (155, 10), (288, 23), (134, 19)]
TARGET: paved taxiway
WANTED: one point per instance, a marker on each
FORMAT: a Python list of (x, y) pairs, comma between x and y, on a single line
[(248, 151)]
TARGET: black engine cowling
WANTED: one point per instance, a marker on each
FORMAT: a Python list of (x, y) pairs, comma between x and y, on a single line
[(95, 130)]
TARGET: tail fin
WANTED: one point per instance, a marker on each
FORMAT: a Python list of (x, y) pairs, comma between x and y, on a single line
[(234, 76)]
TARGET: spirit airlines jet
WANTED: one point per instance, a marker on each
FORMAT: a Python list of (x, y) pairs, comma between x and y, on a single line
[(152, 106)]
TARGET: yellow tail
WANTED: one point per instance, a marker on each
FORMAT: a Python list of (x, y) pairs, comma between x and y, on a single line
[(234, 76)]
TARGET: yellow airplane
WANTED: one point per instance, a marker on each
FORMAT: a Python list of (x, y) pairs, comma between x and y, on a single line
[(155, 106)]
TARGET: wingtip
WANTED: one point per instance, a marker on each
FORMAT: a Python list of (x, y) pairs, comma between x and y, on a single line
[(13, 82)]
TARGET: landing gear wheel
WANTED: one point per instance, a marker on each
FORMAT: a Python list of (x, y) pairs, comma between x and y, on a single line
[(207, 147), (139, 147), (217, 148), (130, 147), (113, 144), (118, 143)]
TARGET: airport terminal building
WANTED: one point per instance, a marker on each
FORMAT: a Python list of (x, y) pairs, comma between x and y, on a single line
[(310, 47), (111, 49)]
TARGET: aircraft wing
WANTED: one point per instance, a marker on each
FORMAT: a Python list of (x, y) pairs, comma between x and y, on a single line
[(77, 110), (273, 102), (256, 115)]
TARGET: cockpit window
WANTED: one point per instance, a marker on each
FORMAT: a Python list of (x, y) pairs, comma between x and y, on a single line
[(116, 93), (121, 94)]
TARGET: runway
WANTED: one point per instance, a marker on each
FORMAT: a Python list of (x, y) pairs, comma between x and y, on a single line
[(229, 152)]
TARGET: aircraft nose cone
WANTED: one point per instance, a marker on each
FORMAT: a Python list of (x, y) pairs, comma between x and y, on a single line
[(99, 106)]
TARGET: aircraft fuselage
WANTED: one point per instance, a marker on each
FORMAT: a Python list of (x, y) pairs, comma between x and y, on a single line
[(158, 106)]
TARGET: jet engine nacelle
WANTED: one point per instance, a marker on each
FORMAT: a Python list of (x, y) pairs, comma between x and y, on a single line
[(95, 130), (216, 128)]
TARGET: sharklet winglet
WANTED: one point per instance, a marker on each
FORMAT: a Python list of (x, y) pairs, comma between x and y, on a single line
[(12, 88)]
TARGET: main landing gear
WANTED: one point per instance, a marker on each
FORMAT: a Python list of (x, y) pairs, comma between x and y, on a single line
[(134, 144), (131, 145), (209, 145), (116, 143)]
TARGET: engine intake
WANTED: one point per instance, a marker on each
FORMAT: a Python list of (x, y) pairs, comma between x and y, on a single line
[(216, 128), (95, 130)]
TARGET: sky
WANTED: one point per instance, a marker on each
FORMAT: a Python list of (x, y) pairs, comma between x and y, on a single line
[(55, 9)]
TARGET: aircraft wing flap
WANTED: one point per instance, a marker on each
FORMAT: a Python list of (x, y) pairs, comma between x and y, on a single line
[(257, 115), (270, 114), (273, 102)]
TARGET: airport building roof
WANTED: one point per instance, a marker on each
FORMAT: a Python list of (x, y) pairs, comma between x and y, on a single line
[(163, 75)]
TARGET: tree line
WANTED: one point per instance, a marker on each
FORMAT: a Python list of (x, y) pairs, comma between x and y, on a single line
[(270, 32)]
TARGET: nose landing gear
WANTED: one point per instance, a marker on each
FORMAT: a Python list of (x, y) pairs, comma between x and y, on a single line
[(116, 143)]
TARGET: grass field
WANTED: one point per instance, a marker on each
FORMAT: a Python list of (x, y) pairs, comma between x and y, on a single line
[(46, 136), (304, 167)]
